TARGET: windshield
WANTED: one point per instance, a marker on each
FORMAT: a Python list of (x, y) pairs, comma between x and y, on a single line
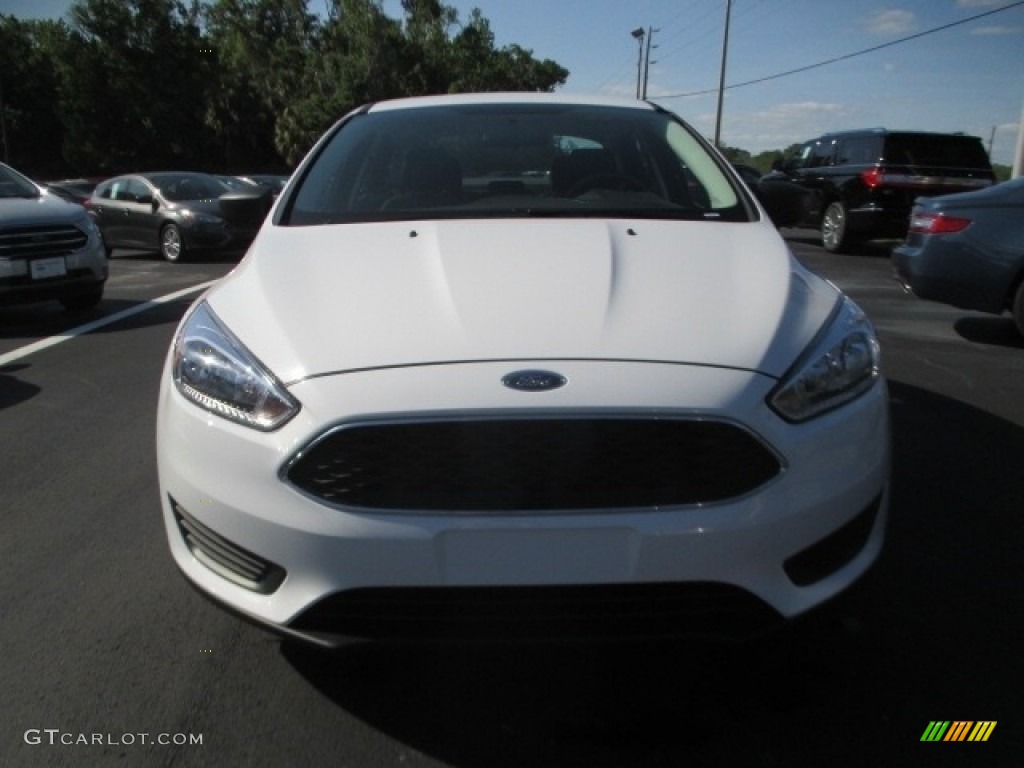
[(507, 160), (13, 184), (178, 187)]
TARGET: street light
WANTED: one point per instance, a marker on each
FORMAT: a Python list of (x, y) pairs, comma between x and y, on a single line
[(638, 35)]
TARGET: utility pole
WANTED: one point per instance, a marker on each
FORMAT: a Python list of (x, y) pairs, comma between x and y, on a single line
[(1018, 156), (638, 35), (3, 123), (721, 77), (647, 60)]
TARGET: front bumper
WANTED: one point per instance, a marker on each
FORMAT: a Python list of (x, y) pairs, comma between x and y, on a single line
[(878, 221), (85, 271), (332, 562)]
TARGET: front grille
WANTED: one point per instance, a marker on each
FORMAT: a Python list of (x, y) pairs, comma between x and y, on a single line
[(533, 464), (582, 612), (225, 557), (41, 241)]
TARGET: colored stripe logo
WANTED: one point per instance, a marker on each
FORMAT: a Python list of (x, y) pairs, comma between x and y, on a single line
[(958, 730)]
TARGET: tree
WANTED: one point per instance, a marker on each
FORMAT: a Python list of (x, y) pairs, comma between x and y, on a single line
[(31, 132), (361, 56), (232, 84), (477, 66), (132, 85), (737, 156), (261, 53)]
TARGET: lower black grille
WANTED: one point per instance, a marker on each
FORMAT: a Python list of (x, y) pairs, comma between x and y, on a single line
[(533, 464), (588, 612), (40, 241), (226, 558), (835, 550)]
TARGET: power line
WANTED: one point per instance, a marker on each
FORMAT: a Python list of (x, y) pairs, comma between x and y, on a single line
[(844, 57)]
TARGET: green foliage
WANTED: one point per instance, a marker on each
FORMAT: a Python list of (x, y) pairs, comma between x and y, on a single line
[(131, 85), (31, 132), (260, 51), (738, 156), (230, 84)]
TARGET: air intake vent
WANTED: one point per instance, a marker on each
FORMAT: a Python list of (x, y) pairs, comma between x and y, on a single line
[(226, 558)]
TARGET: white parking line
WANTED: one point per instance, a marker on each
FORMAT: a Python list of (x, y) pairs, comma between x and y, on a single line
[(52, 341)]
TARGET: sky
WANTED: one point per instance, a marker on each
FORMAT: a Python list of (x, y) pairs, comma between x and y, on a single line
[(967, 77)]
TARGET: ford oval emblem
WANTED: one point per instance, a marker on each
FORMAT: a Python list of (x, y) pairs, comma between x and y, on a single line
[(533, 381)]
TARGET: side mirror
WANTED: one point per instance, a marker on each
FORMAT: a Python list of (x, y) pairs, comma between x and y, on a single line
[(145, 199)]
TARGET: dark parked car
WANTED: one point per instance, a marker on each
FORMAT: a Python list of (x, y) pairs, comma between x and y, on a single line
[(73, 190), (247, 182), (968, 250), (864, 183), (272, 181), (177, 213), (49, 248), (235, 183), (783, 200)]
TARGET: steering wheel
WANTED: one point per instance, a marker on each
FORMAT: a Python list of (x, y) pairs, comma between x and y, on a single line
[(616, 181)]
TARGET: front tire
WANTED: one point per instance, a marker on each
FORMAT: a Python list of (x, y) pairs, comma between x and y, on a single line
[(834, 236), (172, 244)]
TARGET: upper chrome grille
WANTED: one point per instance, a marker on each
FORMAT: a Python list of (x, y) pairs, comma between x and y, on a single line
[(532, 465), (41, 241)]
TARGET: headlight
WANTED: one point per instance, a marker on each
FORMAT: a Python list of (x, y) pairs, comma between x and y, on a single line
[(202, 218), (215, 371), (840, 364)]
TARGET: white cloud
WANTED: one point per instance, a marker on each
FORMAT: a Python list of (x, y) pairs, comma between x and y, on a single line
[(995, 31), (895, 22), (780, 125)]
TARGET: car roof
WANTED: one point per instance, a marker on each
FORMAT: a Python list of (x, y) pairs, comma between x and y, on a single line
[(893, 132), (511, 99)]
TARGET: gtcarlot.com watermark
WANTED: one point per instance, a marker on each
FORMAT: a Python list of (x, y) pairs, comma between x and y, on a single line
[(57, 737)]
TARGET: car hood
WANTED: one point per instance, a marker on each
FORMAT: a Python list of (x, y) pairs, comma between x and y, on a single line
[(323, 299), (49, 209)]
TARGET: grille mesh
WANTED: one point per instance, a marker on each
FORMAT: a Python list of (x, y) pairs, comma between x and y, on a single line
[(533, 465), (41, 241)]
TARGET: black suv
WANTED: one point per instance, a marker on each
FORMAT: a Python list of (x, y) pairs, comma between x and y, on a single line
[(862, 184)]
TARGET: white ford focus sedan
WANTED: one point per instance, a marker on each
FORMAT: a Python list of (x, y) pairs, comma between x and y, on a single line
[(521, 365)]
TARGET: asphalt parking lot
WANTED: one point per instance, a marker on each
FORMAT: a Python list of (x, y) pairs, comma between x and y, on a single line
[(100, 636)]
